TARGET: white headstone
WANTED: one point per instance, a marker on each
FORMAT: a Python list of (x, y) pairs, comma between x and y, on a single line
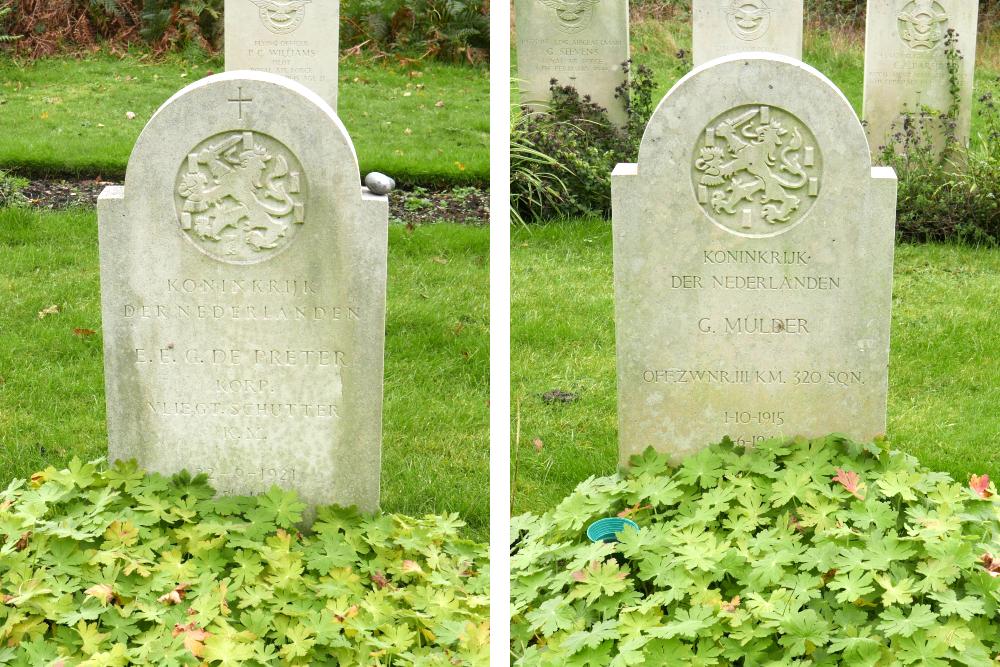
[(753, 247), (243, 277), (299, 39), (580, 44), (724, 27), (906, 63)]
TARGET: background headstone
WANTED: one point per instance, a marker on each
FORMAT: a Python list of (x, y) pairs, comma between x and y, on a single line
[(753, 247), (724, 27), (299, 39), (243, 276), (579, 43), (906, 62)]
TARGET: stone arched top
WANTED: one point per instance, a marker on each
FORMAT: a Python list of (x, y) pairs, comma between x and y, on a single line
[(753, 79), (272, 105)]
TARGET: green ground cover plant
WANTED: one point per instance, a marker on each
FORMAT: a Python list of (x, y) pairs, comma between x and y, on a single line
[(944, 370), (821, 552), (435, 416), (108, 566), (422, 123)]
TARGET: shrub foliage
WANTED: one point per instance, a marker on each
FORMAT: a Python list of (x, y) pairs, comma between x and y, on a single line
[(450, 30), (562, 157), (113, 567), (820, 552)]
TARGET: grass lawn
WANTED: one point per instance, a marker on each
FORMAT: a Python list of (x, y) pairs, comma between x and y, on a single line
[(436, 417), (944, 372), (68, 116)]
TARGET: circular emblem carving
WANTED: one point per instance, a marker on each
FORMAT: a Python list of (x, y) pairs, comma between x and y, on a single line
[(756, 170), (281, 16), (240, 197), (922, 24), (748, 19), (573, 15)]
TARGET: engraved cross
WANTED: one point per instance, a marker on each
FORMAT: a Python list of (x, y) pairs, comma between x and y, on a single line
[(241, 100)]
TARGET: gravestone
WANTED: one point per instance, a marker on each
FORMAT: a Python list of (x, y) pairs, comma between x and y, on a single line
[(724, 27), (243, 277), (906, 63), (299, 39), (753, 247), (579, 43)]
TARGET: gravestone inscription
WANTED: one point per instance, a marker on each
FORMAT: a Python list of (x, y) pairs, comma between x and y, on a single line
[(724, 27), (578, 43), (752, 285), (299, 39), (243, 276), (908, 47)]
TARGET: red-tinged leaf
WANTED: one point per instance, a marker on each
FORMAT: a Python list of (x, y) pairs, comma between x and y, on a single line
[(991, 564), (580, 575), (83, 333), (380, 580), (411, 567), (350, 613), (732, 605), (103, 592), (632, 511), (175, 596), (981, 485), (850, 481), (194, 638)]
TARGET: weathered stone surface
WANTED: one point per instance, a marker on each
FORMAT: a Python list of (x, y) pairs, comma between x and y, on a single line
[(299, 39), (906, 63), (724, 27), (243, 276), (580, 44), (753, 247)]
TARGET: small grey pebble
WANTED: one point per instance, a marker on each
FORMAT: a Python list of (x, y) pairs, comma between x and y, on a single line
[(379, 184)]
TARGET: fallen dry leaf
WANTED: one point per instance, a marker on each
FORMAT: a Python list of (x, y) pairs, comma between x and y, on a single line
[(537, 442), (45, 312), (22, 543), (439, 104), (83, 333)]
